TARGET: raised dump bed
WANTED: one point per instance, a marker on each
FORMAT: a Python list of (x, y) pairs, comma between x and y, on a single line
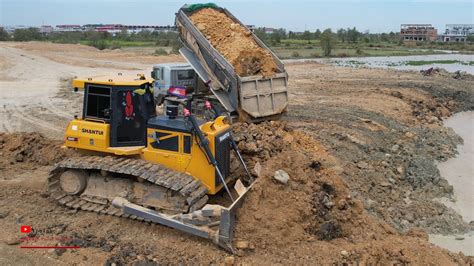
[(243, 73)]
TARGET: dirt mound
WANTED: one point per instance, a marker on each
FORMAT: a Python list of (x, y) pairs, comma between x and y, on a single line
[(315, 210), (316, 201), (234, 42), (28, 149)]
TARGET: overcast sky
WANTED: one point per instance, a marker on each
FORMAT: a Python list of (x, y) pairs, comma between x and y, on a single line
[(297, 15)]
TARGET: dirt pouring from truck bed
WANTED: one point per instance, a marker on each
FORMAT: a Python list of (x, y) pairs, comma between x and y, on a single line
[(234, 42)]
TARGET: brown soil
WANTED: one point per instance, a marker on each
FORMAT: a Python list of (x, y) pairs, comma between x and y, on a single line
[(235, 43), (313, 218), (28, 151), (315, 212)]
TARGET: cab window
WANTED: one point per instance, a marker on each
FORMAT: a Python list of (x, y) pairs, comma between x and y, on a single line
[(185, 74), (157, 73), (171, 142), (97, 102), (165, 141)]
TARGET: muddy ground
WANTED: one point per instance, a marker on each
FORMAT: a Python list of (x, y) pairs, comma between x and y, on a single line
[(359, 145)]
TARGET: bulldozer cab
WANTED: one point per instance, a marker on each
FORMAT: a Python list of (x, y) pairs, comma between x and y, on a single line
[(125, 106)]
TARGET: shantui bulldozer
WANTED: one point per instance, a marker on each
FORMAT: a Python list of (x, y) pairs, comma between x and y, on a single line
[(161, 169), (166, 168)]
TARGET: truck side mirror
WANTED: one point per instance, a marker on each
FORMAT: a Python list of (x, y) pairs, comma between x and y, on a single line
[(152, 74)]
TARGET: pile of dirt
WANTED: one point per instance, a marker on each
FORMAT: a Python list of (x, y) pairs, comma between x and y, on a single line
[(315, 210), (307, 205), (388, 135), (234, 42), (28, 150)]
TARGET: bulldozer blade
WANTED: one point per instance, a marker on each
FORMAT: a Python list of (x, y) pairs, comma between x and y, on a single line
[(227, 221), (194, 223)]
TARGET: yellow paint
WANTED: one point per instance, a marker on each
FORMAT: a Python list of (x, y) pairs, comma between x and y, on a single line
[(94, 135), (78, 84), (112, 80), (195, 163)]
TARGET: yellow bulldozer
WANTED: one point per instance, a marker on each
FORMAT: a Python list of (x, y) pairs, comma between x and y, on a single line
[(153, 168)]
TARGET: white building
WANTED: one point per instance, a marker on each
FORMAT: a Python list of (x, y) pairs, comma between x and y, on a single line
[(457, 32)]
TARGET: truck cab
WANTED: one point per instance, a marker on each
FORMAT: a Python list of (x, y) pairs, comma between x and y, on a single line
[(172, 75)]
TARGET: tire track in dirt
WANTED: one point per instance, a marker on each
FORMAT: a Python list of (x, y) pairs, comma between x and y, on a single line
[(6, 127), (50, 105), (23, 114)]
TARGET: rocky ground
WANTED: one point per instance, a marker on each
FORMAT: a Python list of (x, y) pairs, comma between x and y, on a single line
[(359, 147)]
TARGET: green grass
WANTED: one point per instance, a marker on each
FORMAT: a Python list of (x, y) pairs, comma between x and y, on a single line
[(288, 47), (292, 48), (344, 51)]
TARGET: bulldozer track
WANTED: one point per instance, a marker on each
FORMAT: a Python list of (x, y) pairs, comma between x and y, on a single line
[(184, 184)]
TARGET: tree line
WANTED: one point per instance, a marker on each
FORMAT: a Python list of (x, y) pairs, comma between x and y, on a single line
[(350, 35), (327, 38), (103, 40), (100, 40)]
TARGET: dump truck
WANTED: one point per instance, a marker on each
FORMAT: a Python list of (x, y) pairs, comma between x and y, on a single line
[(254, 98)]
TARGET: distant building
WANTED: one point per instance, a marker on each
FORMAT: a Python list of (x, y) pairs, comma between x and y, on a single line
[(70, 27), (11, 29), (117, 28), (418, 32), (110, 28), (139, 28), (46, 29), (457, 32), (269, 30)]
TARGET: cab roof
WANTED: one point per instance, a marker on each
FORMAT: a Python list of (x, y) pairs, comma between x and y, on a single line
[(173, 65), (112, 80)]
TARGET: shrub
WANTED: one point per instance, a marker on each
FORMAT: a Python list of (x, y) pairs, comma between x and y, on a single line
[(175, 46), (161, 51), (29, 34), (4, 36), (295, 54), (327, 42), (99, 44), (115, 45)]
